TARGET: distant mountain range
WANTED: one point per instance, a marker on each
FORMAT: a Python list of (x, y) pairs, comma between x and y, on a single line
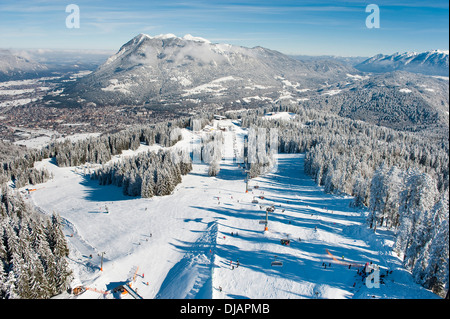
[(34, 63), (429, 63), (184, 74), (14, 67)]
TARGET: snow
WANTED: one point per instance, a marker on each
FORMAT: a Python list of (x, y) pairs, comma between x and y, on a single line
[(182, 80), (189, 37), (18, 102), (332, 92), (445, 78), (224, 79), (116, 86), (256, 97), (18, 82), (279, 116), (186, 245), (211, 87), (405, 90), (39, 138), (357, 76), (164, 36), (16, 92), (80, 74)]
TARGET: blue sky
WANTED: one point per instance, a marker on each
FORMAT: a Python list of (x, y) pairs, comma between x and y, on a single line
[(290, 26)]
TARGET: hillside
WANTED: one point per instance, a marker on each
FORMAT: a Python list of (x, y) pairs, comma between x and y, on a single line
[(182, 75), (15, 67), (430, 63), (187, 245), (152, 69), (399, 100)]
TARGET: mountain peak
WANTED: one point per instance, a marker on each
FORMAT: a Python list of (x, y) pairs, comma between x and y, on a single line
[(187, 37), (441, 51)]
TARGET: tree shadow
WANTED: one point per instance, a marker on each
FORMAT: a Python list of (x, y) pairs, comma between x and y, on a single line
[(102, 193)]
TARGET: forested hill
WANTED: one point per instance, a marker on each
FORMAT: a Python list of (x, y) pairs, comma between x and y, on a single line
[(402, 178)]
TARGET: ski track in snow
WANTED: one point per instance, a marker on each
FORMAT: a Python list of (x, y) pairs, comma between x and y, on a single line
[(187, 244)]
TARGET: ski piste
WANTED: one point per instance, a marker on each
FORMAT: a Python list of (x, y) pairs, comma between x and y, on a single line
[(205, 240)]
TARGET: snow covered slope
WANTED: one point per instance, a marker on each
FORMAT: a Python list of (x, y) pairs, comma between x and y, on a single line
[(188, 244)]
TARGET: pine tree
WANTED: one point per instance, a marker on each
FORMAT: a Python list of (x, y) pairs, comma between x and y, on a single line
[(10, 286), (432, 267), (57, 240), (214, 168)]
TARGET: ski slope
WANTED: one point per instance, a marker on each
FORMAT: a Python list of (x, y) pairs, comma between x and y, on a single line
[(187, 245)]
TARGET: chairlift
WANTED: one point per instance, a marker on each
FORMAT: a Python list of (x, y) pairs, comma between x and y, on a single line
[(285, 242), (276, 263)]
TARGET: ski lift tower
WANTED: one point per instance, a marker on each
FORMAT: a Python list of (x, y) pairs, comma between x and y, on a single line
[(101, 266), (269, 209), (246, 180)]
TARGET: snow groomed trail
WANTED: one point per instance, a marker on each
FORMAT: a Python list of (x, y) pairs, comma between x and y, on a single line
[(206, 240)]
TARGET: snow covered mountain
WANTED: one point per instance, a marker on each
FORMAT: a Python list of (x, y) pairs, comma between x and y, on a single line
[(400, 100), (13, 66), (165, 67), (430, 62)]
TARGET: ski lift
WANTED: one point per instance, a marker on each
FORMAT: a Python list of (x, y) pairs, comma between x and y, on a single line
[(285, 242), (270, 209), (276, 263)]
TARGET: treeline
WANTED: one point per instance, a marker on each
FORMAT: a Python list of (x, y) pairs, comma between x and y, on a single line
[(410, 202), (146, 174), (388, 171), (100, 149), (32, 246), (20, 168), (260, 150), (33, 251)]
